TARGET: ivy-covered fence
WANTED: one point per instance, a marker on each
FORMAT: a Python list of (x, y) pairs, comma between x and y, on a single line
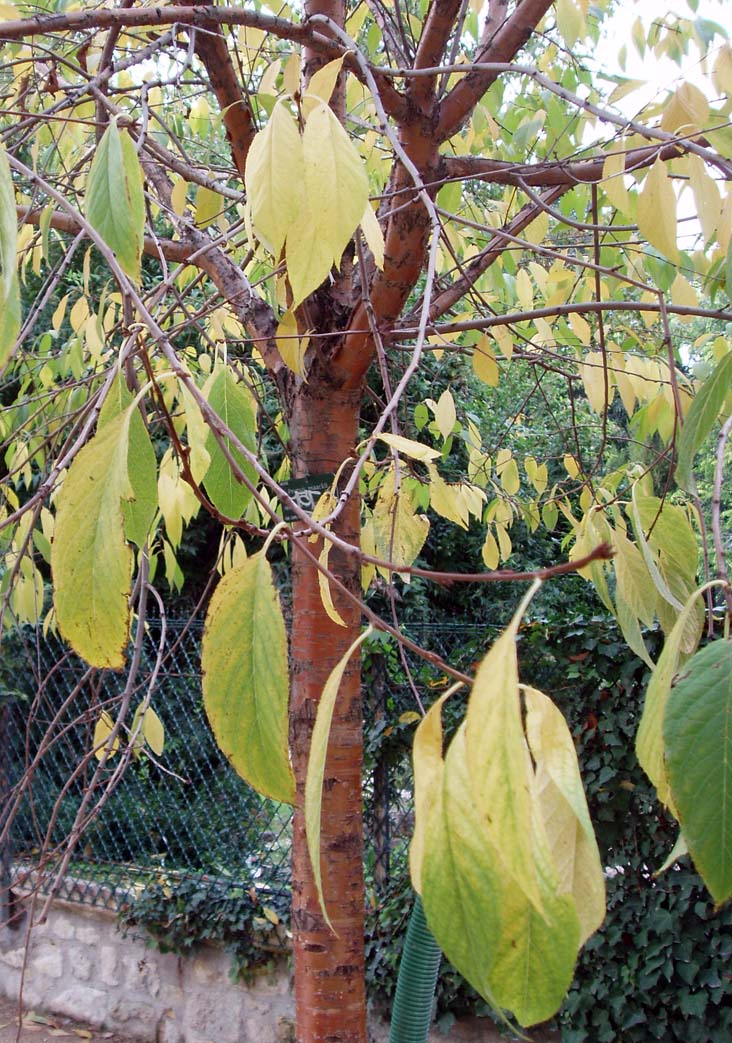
[(209, 858)]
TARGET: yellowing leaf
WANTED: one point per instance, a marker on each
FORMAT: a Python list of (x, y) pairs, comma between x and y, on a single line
[(9, 291), (373, 235), (274, 178), (399, 532), (564, 810), (316, 763), (102, 731), (90, 560), (657, 211), (447, 500), (245, 677), (634, 583), (428, 769), (499, 762), (336, 188), (233, 404), (115, 202)]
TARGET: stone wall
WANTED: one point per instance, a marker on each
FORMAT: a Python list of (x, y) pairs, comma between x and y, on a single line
[(79, 965)]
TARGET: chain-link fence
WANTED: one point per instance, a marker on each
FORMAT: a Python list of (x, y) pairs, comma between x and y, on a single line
[(186, 813)]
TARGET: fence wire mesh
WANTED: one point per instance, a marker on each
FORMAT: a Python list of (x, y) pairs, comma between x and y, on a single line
[(186, 813)]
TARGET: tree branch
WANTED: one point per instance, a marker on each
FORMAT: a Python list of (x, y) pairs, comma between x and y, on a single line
[(498, 45)]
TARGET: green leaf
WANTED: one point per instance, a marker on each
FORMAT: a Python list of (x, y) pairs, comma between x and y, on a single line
[(90, 560), (697, 732), (649, 740), (10, 316), (142, 469), (245, 677), (633, 580), (115, 202), (701, 418), (316, 763), (233, 404)]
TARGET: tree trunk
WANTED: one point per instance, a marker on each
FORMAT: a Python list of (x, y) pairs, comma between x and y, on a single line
[(329, 967)]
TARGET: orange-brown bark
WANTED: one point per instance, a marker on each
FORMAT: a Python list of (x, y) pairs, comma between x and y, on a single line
[(329, 967)]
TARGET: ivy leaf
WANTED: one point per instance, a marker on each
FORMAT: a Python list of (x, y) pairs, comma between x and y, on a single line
[(697, 732), (115, 202), (245, 677), (90, 559)]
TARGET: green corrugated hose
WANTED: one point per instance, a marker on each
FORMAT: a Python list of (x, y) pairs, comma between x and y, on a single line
[(420, 962)]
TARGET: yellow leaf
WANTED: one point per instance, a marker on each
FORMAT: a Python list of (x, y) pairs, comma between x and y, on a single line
[(581, 328), (209, 205), (657, 211), (446, 500), (508, 471), (688, 110), (504, 541), (722, 71), (684, 295), (613, 184), (102, 730), (445, 415), (485, 366), (373, 235), (178, 196), (594, 376), (275, 173), (707, 197), (290, 345), (291, 74), (490, 552), (525, 290), (153, 731), (415, 450), (316, 763), (324, 585), (570, 466), (321, 86)]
